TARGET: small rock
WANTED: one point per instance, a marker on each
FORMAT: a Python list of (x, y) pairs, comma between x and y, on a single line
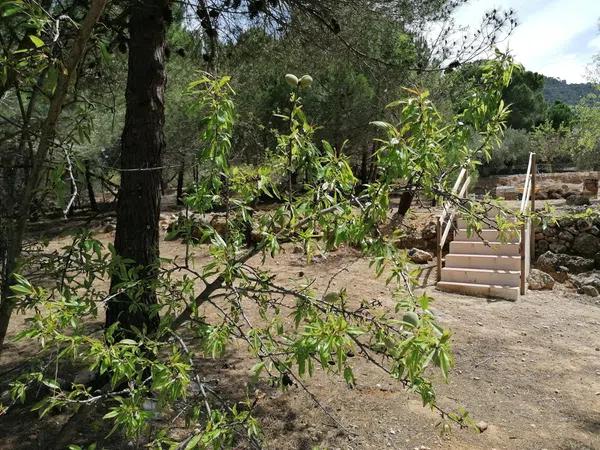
[(590, 291), (577, 200), (482, 426), (565, 236), (558, 247), (551, 263), (586, 244), (85, 377), (419, 256), (538, 280)]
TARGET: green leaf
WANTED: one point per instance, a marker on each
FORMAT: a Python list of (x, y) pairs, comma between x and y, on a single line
[(36, 41), (111, 414), (193, 442)]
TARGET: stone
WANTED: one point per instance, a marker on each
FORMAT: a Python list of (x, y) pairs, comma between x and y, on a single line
[(554, 195), (429, 232), (565, 222), (590, 291), (419, 256), (219, 223), (538, 280), (586, 244), (84, 377), (594, 230), (542, 246), (558, 247), (569, 194), (591, 278), (583, 225), (565, 236), (590, 186), (597, 260), (578, 200), (481, 426), (554, 265)]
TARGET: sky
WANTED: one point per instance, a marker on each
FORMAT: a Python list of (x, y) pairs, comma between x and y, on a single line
[(555, 37)]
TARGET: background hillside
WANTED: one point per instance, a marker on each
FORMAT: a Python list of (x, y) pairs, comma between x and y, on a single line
[(569, 93)]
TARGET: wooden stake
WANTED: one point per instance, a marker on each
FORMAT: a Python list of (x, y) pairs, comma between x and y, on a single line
[(438, 246)]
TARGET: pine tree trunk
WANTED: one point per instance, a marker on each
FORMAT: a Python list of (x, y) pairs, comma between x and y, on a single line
[(180, 175), (406, 199), (90, 187), (138, 206)]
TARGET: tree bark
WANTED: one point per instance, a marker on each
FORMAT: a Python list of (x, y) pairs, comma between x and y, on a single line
[(47, 134), (90, 187), (180, 175), (143, 141), (406, 199)]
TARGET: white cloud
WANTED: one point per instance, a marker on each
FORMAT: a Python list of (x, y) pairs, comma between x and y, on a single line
[(547, 39), (595, 43)]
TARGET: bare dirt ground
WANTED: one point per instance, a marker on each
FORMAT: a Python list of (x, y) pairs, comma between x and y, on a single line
[(530, 369)]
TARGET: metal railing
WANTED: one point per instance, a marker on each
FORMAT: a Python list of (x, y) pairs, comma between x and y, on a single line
[(526, 243), (446, 219)]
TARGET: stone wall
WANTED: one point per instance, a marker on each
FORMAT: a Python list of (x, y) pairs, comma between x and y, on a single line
[(572, 235), (549, 185)]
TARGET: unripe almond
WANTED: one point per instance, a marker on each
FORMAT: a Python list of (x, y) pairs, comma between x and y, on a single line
[(305, 81), (291, 79), (411, 318)]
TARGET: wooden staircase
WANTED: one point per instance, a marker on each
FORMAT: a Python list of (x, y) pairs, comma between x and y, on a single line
[(482, 268), (482, 264)]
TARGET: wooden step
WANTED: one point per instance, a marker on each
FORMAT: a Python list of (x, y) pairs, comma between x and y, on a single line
[(480, 248), (480, 290), (481, 276), (489, 235), (499, 262)]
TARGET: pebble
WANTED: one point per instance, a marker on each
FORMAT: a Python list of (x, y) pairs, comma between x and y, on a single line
[(482, 426)]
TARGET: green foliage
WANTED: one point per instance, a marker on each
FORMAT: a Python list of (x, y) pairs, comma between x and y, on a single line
[(553, 145), (588, 134), (292, 331), (525, 96), (426, 144), (560, 114), (214, 97), (510, 155)]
